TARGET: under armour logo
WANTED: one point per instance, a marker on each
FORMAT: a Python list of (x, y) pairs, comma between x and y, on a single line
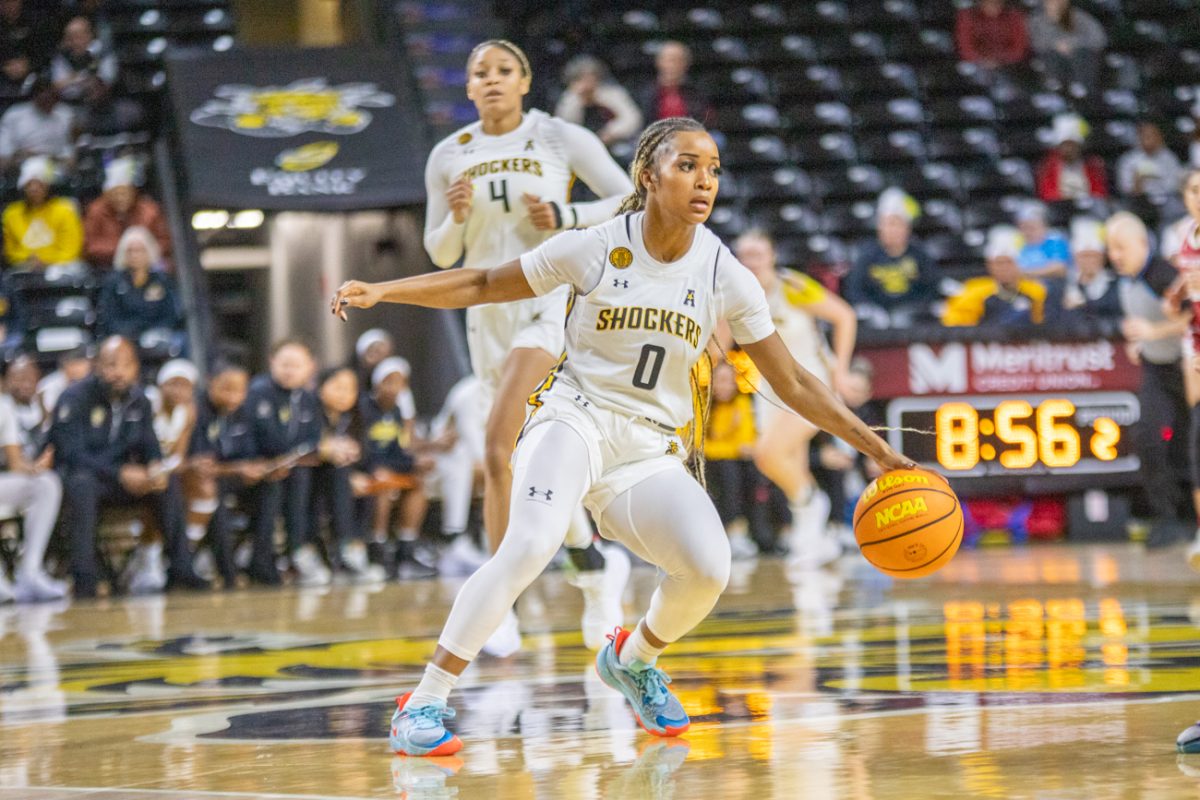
[(579, 399), (620, 284), (528, 145), (533, 492), (690, 300)]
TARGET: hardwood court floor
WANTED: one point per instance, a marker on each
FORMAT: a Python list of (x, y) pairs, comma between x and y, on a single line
[(1050, 672)]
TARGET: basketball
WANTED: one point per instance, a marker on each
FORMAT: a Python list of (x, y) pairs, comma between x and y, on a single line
[(908, 523)]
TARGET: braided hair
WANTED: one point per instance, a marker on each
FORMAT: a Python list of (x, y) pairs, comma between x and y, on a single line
[(648, 146), (504, 44)]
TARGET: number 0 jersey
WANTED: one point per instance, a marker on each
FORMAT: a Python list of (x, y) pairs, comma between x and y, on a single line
[(636, 326)]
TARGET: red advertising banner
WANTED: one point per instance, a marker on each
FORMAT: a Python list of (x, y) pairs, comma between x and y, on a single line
[(958, 368)]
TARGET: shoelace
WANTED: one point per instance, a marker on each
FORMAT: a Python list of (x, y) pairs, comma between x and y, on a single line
[(652, 683), (428, 716)]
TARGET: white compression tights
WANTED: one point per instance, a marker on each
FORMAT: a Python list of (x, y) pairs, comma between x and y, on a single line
[(666, 519)]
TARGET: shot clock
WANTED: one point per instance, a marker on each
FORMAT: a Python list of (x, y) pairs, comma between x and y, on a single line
[(1018, 435)]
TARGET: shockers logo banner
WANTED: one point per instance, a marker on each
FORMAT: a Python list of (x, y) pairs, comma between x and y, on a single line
[(320, 130)]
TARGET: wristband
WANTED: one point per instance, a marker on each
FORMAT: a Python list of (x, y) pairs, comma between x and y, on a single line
[(558, 220)]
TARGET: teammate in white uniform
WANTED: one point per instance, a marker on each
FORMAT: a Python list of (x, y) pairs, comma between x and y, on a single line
[(797, 302), (496, 189), (648, 291)]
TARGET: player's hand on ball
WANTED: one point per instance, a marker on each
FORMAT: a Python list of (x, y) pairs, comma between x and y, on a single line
[(894, 460), (459, 197), (541, 214), (355, 294)]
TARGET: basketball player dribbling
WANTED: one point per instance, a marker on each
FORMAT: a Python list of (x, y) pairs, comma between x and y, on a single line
[(496, 189), (648, 288)]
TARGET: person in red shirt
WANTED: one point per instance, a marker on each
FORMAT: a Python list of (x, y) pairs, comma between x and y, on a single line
[(121, 207), (1065, 173), (670, 95), (991, 35)]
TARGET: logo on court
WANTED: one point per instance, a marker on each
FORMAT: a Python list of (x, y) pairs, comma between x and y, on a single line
[(621, 257), (535, 494), (690, 300), (620, 284)]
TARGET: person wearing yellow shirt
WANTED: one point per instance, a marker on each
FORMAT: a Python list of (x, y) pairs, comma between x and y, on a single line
[(42, 231), (1003, 297), (733, 480)]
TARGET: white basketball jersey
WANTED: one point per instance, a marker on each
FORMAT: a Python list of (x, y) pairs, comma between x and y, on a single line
[(636, 326), (531, 159)]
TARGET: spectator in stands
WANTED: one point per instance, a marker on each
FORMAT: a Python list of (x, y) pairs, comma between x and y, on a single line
[(138, 296), (41, 231), (40, 127), (16, 75), (390, 458), (223, 460), (991, 35), (1154, 341), (671, 95), (73, 366), (29, 486), (1046, 254), (597, 102), (1152, 172), (25, 29), (733, 481), (1070, 42), (85, 73), (106, 452), (120, 208), (287, 430), (893, 279), (1065, 173), (1004, 297), (1092, 291), (341, 453)]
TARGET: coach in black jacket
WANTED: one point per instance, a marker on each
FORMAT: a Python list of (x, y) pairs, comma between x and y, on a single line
[(107, 453)]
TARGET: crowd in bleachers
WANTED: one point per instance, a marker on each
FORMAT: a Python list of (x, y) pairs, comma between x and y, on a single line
[(213, 469)]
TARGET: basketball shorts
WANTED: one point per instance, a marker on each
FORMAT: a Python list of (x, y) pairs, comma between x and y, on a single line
[(493, 331), (623, 450)]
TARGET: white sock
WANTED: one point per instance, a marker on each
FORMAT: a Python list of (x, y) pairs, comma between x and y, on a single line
[(379, 536), (196, 531), (636, 648), (434, 688), (407, 534)]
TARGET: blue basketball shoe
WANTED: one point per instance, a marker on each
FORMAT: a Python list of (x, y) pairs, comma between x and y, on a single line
[(644, 686), (421, 731)]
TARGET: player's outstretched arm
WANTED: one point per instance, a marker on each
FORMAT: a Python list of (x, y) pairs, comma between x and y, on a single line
[(455, 289), (810, 398)]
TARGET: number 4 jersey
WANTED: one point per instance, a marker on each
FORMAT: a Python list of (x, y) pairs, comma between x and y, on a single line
[(635, 325), (540, 157)]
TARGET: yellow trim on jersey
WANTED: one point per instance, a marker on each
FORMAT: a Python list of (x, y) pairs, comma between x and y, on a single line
[(801, 290), (535, 399)]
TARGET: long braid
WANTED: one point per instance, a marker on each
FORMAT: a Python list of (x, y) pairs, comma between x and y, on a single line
[(647, 151)]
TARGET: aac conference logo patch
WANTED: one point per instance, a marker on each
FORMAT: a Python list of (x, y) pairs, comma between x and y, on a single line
[(620, 257), (310, 105)]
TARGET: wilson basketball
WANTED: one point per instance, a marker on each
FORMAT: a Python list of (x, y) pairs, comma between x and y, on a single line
[(908, 523)]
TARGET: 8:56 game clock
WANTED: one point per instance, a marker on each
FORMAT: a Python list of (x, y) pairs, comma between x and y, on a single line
[(980, 436)]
